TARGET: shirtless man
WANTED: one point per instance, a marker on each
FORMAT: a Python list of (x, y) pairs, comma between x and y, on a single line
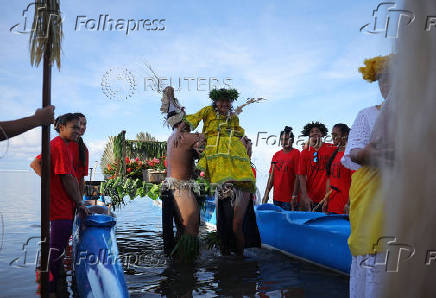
[(181, 152), (178, 188)]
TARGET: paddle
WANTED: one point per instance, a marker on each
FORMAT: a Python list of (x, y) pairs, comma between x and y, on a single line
[(323, 200)]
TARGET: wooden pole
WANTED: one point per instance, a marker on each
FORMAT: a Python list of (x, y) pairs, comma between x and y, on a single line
[(45, 175)]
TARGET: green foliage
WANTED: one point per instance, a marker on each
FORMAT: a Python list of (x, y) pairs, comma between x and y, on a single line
[(118, 146), (145, 137), (224, 94), (212, 240), (145, 149), (187, 248), (121, 187)]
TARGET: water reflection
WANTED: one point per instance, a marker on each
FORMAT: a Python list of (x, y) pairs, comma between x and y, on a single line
[(261, 272), (148, 272)]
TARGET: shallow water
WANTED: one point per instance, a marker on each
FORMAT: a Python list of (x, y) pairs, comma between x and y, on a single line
[(148, 272)]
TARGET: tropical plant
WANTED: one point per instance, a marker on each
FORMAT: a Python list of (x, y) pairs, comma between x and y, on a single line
[(145, 137), (108, 160)]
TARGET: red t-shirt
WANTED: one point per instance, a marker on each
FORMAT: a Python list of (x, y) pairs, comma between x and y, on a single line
[(80, 170), (315, 172), (61, 163), (340, 181), (285, 170)]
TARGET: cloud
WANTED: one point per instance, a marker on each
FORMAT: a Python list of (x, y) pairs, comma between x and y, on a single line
[(17, 152)]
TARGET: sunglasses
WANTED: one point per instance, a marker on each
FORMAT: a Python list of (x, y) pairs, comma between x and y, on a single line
[(315, 156)]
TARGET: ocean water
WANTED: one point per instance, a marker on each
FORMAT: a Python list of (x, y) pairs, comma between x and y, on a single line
[(261, 273)]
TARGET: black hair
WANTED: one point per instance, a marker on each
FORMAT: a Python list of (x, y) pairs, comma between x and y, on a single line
[(308, 127), (82, 151), (80, 115), (287, 130), (64, 119), (345, 130), (82, 147)]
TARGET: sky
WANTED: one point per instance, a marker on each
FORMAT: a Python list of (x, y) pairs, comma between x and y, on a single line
[(302, 56)]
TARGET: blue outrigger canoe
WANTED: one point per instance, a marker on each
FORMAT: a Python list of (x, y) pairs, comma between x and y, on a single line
[(311, 236), (97, 268)]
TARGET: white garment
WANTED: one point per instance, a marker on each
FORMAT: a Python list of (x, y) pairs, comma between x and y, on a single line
[(366, 278), (360, 134)]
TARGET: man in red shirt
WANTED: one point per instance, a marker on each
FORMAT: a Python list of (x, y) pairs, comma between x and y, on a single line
[(283, 170), (312, 167), (64, 191)]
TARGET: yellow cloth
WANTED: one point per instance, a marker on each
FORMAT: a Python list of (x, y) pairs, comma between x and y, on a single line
[(225, 158), (366, 212)]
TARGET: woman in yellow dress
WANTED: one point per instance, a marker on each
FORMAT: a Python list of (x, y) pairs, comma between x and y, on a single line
[(225, 161), (366, 207)]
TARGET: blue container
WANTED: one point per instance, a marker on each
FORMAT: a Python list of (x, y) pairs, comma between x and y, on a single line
[(97, 268), (208, 211)]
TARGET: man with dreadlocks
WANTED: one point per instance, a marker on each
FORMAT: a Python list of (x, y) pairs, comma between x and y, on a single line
[(226, 163), (178, 198), (312, 167)]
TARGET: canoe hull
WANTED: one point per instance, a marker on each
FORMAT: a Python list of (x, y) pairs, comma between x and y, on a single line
[(312, 236), (97, 268)]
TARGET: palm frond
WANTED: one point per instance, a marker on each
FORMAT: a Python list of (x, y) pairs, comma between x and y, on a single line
[(145, 137), (46, 32), (249, 101), (108, 156)]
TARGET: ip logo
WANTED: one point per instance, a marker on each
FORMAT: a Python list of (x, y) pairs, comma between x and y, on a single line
[(387, 20), (393, 253), (26, 26)]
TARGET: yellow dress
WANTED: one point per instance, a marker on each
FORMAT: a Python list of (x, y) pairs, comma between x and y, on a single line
[(225, 158), (366, 213)]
